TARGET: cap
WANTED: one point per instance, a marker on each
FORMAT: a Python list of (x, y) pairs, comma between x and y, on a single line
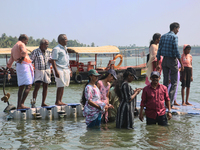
[(133, 72), (93, 72), (155, 73), (112, 71)]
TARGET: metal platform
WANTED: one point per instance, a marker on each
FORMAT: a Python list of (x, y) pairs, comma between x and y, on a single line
[(182, 110), (48, 112)]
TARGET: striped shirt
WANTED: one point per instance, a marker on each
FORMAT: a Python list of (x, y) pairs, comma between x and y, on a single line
[(168, 46), (41, 60)]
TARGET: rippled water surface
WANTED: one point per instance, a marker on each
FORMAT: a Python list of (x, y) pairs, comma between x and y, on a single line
[(183, 132)]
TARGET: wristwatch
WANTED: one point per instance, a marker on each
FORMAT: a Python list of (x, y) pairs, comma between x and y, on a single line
[(169, 112)]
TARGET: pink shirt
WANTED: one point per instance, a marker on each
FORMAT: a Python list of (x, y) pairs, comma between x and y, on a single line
[(18, 51), (104, 90), (154, 100), (186, 60)]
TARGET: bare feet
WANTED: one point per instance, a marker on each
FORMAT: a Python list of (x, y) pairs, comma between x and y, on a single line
[(175, 103), (44, 105), (23, 107), (175, 108), (183, 104), (60, 104), (187, 103)]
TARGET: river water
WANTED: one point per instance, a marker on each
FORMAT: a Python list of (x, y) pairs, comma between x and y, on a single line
[(183, 132)]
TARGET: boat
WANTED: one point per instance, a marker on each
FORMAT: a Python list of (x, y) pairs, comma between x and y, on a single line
[(80, 69)]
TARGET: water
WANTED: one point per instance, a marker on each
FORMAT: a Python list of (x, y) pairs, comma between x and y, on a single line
[(183, 132)]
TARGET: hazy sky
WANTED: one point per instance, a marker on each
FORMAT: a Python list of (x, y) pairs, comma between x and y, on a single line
[(104, 22)]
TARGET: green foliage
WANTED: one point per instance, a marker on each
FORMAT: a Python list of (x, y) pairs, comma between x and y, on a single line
[(6, 42)]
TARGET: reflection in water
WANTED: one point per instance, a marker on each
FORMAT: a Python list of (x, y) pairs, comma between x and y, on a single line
[(36, 133), (106, 137)]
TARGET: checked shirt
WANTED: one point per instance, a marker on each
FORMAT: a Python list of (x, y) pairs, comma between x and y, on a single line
[(168, 46), (41, 60)]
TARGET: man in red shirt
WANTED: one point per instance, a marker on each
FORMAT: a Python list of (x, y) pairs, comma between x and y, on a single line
[(154, 98)]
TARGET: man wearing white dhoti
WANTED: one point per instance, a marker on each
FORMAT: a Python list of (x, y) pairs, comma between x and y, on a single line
[(25, 74), (41, 58), (60, 63)]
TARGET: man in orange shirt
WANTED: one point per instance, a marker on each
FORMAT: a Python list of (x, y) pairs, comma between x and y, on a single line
[(25, 74)]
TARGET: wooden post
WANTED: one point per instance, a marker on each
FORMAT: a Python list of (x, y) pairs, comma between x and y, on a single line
[(95, 61)]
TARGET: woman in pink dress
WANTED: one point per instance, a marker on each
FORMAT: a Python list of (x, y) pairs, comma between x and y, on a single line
[(104, 86), (151, 64)]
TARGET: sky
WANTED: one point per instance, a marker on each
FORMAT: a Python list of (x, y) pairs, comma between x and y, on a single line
[(104, 22)]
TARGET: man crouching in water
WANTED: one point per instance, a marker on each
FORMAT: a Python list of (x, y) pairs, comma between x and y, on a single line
[(24, 69), (154, 98)]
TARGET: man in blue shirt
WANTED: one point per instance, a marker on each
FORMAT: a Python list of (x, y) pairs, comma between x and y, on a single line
[(168, 48)]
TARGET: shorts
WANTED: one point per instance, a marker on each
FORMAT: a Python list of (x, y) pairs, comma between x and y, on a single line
[(186, 77), (64, 78), (161, 120)]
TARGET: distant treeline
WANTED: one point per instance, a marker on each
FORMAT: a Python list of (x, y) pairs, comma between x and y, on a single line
[(9, 41)]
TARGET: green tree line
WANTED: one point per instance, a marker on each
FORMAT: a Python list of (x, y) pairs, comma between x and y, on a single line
[(9, 41)]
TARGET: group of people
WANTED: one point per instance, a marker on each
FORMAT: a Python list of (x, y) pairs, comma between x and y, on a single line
[(36, 68), (103, 101), (164, 56)]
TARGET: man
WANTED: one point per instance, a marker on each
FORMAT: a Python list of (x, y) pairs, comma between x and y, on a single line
[(41, 58), (25, 74), (154, 98), (60, 63), (168, 47)]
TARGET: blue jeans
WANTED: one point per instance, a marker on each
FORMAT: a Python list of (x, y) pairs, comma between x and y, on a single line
[(96, 122)]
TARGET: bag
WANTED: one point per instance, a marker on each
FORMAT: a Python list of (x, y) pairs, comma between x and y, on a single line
[(147, 58)]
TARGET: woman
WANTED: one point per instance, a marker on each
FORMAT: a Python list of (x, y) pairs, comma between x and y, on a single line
[(104, 86), (125, 112), (91, 100), (151, 65)]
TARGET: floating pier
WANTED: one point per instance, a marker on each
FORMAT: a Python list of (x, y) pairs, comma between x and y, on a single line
[(193, 109), (48, 112)]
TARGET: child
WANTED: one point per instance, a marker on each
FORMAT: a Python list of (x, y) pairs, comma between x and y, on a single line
[(125, 112), (93, 106), (104, 86), (186, 75)]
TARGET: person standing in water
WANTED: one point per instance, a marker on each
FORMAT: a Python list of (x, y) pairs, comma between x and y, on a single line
[(91, 100), (125, 112), (104, 86), (154, 98)]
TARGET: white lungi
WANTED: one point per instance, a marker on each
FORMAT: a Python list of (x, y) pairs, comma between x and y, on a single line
[(43, 75), (64, 79), (25, 74)]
